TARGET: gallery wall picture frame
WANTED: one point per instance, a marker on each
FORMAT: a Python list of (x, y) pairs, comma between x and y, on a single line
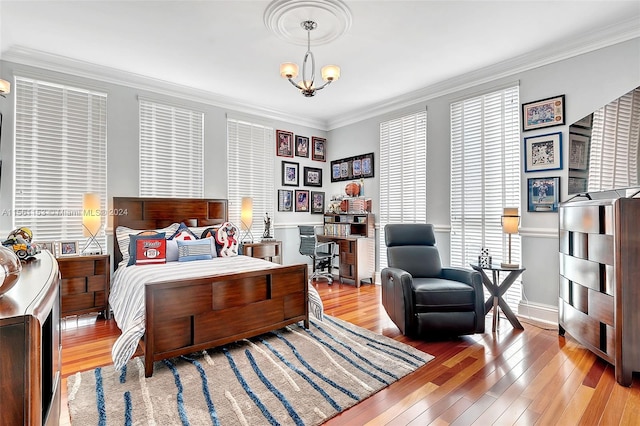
[(302, 200), (543, 152), (578, 151), (350, 168), (290, 173), (284, 143), (543, 113), (543, 194), (302, 146), (577, 185), (65, 248), (312, 176), (318, 149), (317, 202), (285, 200)]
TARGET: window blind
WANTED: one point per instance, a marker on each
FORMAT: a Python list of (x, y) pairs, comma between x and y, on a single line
[(60, 154), (171, 151), (613, 161), (485, 178), (250, 171), (403, 174)]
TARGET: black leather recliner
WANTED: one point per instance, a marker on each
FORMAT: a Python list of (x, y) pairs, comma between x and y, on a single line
[(422, 298)]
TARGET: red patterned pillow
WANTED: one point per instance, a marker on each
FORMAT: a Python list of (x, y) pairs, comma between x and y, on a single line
[(150, 251)]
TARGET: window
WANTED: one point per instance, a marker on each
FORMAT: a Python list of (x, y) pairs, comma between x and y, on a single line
[(403, 173), (60, 154), (485, 178), (171, 151), (250, 166), (613, 162)]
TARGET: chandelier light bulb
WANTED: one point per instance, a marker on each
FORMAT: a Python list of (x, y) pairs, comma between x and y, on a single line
[(288, 70), (330, 72)]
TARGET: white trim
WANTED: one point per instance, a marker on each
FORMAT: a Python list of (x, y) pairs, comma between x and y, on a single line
[(539, 312)]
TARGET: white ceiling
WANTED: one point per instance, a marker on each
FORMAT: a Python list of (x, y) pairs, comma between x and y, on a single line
[(393, 52)]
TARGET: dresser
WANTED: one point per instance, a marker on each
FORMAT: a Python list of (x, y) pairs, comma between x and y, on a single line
[(30, 350), (85, 284), (599, 291)]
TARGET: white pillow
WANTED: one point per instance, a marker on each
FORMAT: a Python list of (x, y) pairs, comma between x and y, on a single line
[(172, 249), (122, 235)]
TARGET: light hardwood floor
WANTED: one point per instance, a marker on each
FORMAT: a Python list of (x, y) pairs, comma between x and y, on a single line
[(511, 377)]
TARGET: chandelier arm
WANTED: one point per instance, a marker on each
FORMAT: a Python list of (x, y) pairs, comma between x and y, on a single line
[(324, 85), (294, 83), (308, 84)]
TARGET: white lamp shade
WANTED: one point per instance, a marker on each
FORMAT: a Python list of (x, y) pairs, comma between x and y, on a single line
[(246, 212), (510, 220), (91, 218), (5, 87), (330, 72), (288, 70)]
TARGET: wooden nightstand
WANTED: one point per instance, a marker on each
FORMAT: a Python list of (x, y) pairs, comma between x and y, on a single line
[(267, 250), (85, 284)]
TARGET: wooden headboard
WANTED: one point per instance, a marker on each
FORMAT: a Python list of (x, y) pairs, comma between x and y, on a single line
[(155, 213)]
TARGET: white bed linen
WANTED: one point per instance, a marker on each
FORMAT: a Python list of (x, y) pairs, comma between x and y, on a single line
[(127, 293)]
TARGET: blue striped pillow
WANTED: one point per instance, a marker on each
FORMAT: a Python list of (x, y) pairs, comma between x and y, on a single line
[(194, 250)]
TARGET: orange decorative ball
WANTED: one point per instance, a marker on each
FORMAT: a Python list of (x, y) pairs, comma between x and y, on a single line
[(352, 189)]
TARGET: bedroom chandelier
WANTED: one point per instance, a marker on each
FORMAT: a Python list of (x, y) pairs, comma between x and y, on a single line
[(289, 70)]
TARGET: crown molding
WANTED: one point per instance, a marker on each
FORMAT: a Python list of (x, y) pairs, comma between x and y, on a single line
[(39, 59), (607, 36)]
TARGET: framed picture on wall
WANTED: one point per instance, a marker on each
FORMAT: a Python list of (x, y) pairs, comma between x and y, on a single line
[(285, 200), (284, 143), (543, 152), (543, 113), (318, 149), (290, 173), (317, 202), (312, 176), (302, 200), (578, 151), (543, 194), (302, 146)]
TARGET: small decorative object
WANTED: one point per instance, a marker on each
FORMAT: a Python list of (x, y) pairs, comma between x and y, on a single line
[(484, 260), (543, 113), (67, 248), (284, 140), (543, 194), (543, 152), (19, 240), (319, 149), (10, 267), (266, 236), (352, 189)]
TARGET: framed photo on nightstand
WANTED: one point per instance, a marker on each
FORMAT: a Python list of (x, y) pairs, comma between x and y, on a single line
[(67, 248)]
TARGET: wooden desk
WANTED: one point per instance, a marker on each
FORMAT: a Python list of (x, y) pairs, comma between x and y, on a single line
[(267, 250), (357, 257)]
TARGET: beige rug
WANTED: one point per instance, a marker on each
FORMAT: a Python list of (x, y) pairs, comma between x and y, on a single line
[(292, 376)]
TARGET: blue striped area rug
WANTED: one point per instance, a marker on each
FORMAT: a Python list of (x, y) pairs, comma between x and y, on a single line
[(291, 376)]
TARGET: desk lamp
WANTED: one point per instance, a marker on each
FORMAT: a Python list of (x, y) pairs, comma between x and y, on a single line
[(91, 218), (510, 222), (246, 218)]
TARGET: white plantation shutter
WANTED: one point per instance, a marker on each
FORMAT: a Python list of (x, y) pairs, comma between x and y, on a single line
[(485, 178), (613, 161), (251, 173), (60, 154), (403, 174), (171, 151)]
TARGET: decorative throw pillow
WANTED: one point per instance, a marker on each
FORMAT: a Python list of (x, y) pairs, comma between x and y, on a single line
[(194, 250), (226, 239), (147, 247), (209, 231), (122, 235), (172, 249), (183, 233)]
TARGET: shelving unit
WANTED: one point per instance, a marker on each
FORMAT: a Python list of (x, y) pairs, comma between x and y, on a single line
[(349, 224)]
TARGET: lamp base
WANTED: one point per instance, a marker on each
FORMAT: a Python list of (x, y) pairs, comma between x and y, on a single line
[(510, 265)]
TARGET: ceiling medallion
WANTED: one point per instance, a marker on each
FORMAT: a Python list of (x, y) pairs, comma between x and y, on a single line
[(283, 18)]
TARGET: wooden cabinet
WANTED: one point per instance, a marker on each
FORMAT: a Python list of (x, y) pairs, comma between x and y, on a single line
[(349, 224), (267, 250), (30, 351), (599, 274), (85, 284)]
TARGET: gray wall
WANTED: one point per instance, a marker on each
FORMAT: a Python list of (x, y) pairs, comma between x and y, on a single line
[(588, 81)]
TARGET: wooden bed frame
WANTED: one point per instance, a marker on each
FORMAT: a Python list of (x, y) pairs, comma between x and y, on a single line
[(192, 315)]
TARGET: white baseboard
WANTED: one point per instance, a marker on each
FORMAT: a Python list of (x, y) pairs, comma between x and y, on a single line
[(536, 312)]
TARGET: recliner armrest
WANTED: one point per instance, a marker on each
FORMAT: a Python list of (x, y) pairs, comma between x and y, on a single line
[(397, 297), (474, 279)]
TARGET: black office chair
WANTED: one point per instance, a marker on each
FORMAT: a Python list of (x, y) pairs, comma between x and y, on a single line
[(321, 253)]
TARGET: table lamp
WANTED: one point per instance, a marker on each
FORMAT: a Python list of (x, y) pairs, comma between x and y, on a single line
[(91, 218), (246, 218), (510, 221)]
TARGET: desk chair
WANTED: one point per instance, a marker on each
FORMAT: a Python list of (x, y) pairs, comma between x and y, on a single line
[(321, 254)]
